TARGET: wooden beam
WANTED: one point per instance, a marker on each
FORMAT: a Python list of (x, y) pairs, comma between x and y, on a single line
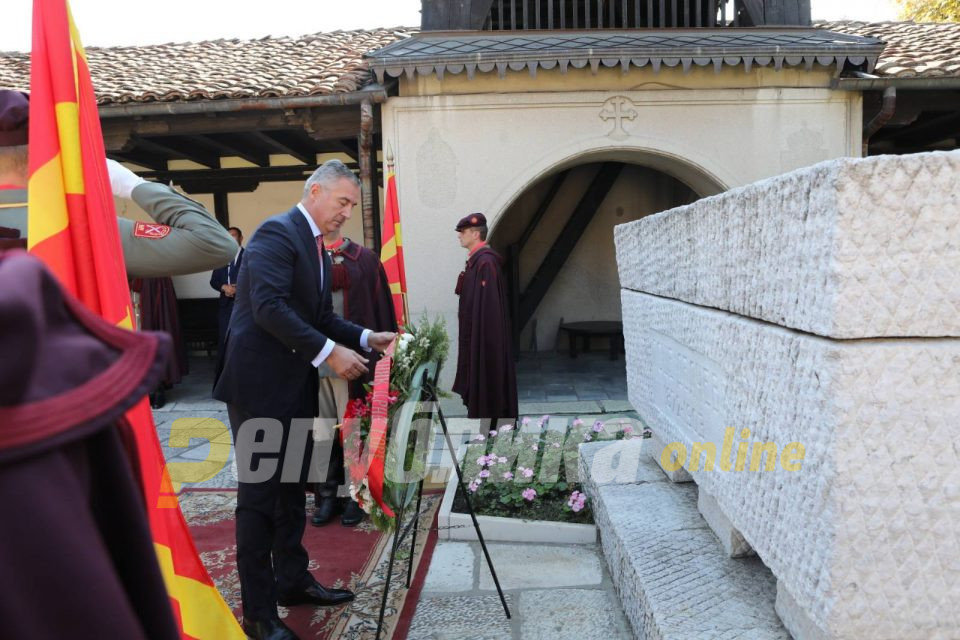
[(340, 146), (283, 142), (542, 209), (214, 186), (335, 125), (228, 145), (141, 159), (221, 208), (264, 174), (175, 149), (592, 198), (319, 122), (928, 132)]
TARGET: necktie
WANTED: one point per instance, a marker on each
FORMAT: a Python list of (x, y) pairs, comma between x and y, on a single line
[(320, 256)]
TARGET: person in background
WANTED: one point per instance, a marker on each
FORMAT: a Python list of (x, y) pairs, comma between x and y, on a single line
[(486, 371), (224, 281), (361, 294)]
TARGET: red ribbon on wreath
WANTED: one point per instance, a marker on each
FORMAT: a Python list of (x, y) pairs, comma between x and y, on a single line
[(378, 426), (376, 446)]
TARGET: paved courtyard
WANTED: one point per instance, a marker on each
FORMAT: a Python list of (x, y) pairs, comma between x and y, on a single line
[(555, 592)]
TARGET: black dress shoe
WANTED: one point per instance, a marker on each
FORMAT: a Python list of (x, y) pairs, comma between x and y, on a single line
[(158, 399), (271, 629), (323, 512), (317, 594), (352, 514)]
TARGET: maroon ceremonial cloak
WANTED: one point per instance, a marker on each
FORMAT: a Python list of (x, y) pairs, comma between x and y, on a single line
[(159, 312), (76, 552), (486, 373), (357, 272)]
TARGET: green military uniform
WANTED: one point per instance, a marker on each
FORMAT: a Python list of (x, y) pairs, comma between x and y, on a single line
[(184, 239)]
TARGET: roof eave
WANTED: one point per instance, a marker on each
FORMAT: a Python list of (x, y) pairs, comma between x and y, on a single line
[(375, 93)]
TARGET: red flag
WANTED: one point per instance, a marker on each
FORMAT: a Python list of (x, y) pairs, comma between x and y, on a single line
[(72, 227), (391, 254)]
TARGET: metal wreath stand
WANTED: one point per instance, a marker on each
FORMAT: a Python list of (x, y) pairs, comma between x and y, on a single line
[(425, 381)]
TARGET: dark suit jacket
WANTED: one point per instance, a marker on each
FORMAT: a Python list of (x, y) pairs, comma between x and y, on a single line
[(226, 273), (281, 320)]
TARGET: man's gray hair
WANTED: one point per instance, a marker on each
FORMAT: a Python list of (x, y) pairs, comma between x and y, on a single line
[(328, 174)]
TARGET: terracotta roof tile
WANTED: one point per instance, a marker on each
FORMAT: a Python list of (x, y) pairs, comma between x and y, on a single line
[(326, 63), (914, 49), (316, 64)]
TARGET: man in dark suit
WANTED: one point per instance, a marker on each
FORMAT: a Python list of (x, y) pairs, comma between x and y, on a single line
[(283, 327), (224, 280)]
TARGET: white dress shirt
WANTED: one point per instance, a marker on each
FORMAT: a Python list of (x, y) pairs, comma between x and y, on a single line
[(330, 344)]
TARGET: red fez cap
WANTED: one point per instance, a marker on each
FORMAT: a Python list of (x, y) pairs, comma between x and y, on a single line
[(472, 220), (14, 116)]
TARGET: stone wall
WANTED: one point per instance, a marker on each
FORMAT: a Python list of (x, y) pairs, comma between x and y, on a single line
[(862, 536)]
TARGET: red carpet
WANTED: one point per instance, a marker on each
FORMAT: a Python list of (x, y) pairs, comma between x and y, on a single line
[(353, 558)]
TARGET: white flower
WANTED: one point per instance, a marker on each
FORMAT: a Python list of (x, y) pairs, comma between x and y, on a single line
[(362, 496)]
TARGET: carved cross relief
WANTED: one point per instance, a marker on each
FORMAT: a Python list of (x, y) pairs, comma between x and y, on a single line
[(618, 109)]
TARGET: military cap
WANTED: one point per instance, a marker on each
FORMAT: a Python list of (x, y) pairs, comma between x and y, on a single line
[(14, 116), (472, 220)]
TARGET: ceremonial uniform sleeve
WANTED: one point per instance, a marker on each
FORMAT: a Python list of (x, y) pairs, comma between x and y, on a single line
[(13, 210), (195, 241)]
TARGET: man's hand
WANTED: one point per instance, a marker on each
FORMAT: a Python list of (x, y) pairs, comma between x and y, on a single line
[(229, 290), (381, 340), (346, 363)]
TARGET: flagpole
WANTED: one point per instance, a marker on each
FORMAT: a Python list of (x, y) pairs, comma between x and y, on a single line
[(389, 159)]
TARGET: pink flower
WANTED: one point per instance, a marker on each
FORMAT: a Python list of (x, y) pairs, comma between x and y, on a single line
[(479, 437), (529, 494), (528, 473), (578, 422), (493, 433), (508, 476), (597, 426), (484, 474), (535, 447), (474, 486), (506, 427), (587, 437), (502, 460), (482, 461), (627, 428), (576, 501), (525, 421), (556, 445)]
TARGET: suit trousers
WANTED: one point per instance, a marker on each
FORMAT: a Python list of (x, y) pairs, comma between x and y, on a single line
[(334, 396), (271, 516), (224, 309)]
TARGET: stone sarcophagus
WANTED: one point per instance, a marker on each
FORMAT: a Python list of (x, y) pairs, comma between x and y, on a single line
[(796, 345)]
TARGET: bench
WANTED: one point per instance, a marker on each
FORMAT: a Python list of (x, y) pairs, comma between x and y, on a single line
[(586, 330)]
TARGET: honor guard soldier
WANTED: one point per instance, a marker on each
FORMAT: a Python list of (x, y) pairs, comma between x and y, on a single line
[(183, 238), (486, 373)]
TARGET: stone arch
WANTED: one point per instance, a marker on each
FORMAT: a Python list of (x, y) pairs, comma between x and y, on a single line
[(594, 282), (702, 178)]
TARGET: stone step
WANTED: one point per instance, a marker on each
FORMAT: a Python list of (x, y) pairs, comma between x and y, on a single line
[(674, 578)]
